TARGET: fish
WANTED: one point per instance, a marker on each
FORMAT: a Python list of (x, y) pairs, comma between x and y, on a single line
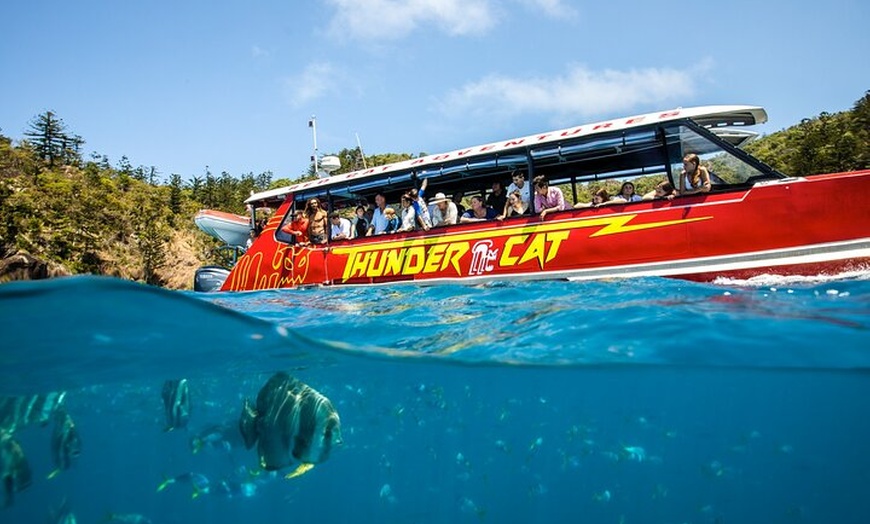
[(291, 423), (66, 444), (15, 474), (248, 424), (217, 436), (199, 482), (235, 488), (17, 412), (176, 403)]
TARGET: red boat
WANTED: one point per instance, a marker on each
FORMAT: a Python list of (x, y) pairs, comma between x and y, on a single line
[(753, 221)]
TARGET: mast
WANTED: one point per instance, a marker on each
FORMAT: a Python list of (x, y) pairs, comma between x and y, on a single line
[(312, 123), (363, 155)]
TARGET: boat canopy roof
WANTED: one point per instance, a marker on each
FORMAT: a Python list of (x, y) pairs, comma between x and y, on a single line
[(712, 117), (266, 196)]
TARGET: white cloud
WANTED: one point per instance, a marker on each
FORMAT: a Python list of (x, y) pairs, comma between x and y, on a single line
[(580, 92), (395, 19), (316, 81), (551, 8)]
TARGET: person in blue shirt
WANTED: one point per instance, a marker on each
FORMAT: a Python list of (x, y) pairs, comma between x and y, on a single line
[(478, 212), (392, 221), (378, 223)]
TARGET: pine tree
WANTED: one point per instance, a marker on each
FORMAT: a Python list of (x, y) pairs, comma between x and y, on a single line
[(51, 141), (176, 196)]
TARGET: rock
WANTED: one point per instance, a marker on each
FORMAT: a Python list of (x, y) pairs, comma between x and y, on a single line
[(24, 266)]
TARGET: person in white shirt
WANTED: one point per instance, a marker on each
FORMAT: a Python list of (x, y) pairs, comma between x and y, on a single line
[(409, 216), (442, 211), (519, 184), (340, 229)]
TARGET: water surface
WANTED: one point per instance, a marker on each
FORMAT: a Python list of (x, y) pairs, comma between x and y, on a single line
[(650, 400)]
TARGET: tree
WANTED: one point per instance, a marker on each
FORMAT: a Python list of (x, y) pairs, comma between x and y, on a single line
[(861, 127), (50, 140), (176, 195), (152, 233), (823, 144)]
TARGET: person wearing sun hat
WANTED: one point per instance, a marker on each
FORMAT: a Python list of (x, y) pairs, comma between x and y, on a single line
[(442, 211)]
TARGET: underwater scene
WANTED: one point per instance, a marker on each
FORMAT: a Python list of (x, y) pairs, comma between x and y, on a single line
[(627, 401)]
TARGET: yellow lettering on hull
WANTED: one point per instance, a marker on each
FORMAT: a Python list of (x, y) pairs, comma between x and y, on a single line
[(539, 243)]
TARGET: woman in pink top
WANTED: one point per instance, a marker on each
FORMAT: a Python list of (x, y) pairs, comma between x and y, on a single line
[(547, 199)]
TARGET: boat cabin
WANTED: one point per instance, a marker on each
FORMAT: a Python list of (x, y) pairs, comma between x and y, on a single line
[(631, 149)]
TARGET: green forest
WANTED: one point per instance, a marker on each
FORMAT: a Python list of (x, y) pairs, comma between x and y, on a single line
[(85, 215)]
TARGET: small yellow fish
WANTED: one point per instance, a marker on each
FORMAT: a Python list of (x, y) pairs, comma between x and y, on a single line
[(301, 470)]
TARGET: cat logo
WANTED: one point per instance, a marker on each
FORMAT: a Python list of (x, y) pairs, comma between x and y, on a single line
[(482, 258)]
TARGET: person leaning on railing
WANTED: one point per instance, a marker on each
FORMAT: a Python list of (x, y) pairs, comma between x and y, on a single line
[(547, 199), (442, 211)]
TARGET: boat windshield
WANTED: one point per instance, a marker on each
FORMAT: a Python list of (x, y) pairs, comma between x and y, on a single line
[(727, 165)]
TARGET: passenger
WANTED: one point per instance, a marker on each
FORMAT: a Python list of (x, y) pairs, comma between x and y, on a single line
[(298, 227), (421, 211), (626, 194), (392, 221), (694, 178), (340, 229), (457, 199), (478, 212), (662, 190), (498, 198), (515, 207), (547, 199), (316, 222), (378, 223), (361, 225), (443, 211), (599, 198), (519, 184), (409, 216), (252, 235)]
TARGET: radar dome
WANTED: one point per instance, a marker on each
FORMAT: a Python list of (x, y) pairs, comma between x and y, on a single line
[(330, 163)]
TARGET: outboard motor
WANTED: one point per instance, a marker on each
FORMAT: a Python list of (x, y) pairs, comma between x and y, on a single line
[(210, 278)]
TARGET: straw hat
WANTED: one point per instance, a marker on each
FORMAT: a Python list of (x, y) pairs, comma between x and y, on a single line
[(439, 197)]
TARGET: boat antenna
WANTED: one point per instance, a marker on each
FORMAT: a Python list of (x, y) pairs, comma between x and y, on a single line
[(312, 123), (363, 155)]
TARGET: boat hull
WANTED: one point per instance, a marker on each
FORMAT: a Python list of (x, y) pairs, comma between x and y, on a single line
[(803, 226)]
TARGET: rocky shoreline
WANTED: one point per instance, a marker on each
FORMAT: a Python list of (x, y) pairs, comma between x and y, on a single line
[(20, 265)]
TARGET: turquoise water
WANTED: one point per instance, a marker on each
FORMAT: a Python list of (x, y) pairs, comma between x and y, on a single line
[(649, 401)]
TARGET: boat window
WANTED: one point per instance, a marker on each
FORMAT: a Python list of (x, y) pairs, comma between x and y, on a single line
[(280, 234), (622, 155), (727, 166)]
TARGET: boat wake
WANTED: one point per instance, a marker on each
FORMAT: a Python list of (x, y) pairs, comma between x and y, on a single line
[(768, 280)]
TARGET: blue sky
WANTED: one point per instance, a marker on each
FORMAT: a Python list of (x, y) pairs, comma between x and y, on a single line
[(185, 85)]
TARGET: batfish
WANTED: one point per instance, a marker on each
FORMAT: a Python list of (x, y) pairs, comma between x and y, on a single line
[(15, 473), (176, 403), (291, 423)]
